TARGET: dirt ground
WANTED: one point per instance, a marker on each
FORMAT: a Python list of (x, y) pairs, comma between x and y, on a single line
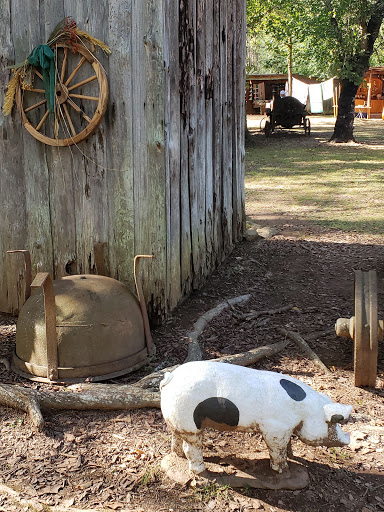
[(111, 460)]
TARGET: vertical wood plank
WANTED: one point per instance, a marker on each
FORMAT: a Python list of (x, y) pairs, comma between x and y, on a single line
[(89, 159), (209, 135), (155, 222), (198, 170), (119, 130), (12, 180), (239, 83), (34, 235), (226, 134), (235, 102), (173, 150), (217, 133), (187, 88)]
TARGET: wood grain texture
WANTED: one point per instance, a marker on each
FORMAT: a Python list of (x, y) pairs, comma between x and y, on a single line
[(163, 173)]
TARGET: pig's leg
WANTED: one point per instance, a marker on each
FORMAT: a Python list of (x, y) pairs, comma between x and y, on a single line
[(289, 450), (277, 446), (177, 445), (192, 446)]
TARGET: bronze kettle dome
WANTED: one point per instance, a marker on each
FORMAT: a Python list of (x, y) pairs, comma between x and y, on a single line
[(81, 327)]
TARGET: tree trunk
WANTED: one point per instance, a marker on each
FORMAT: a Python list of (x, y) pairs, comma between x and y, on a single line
[(290, 67), (356, 65), (343, 131)]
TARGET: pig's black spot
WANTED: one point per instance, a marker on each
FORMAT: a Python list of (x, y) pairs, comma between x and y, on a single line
[(217, 409), (294, 391)]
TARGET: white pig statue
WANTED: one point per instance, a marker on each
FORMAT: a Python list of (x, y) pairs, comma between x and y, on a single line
[(228, 397)]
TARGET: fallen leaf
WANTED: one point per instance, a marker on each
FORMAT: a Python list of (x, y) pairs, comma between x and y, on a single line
[(84, 485), (68, 502), (115, 505), (50, 489)]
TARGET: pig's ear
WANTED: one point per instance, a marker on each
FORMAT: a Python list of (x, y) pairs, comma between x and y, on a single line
[(334, 413)]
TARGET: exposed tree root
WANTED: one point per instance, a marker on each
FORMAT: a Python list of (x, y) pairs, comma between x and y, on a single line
[(109, 396), (294, 336), (194, 350), (145, 392), (32, 504)]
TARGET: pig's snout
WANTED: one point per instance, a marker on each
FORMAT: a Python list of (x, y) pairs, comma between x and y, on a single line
[(336, 436), (335, 414)]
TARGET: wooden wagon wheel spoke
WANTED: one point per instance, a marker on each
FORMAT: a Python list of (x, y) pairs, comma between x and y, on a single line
[(83, 82), (72, 123), (64, 65), (71, 76), (78, 109), (69, 119), (44, 118), (83, 97), (35, 105), (37, 90)]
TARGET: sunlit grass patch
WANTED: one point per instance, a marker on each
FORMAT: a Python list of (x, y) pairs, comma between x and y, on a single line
[(335, 185)]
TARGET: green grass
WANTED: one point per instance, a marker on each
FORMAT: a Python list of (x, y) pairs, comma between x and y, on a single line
[(212, 491), (335, 185)]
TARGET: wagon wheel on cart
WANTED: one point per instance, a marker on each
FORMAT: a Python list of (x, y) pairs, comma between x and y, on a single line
[(307, 126), (365, 328), (81, 97), (267, 128)]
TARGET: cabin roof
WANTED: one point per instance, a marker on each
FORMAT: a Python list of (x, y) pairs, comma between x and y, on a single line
[(276, 77)]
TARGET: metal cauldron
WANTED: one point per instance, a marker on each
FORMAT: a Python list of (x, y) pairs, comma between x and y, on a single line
[(81, 327)]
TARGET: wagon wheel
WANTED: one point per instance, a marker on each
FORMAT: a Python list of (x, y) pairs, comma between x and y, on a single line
[(80, 99), (307, 126), (366, 328), (267, 129)]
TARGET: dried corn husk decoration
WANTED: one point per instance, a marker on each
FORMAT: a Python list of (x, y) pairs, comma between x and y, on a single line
[(11, 90), (94, 42)]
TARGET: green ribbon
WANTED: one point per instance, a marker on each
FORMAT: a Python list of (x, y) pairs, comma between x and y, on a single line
[(44, 57)]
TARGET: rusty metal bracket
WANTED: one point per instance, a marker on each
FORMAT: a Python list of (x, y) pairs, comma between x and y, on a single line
[(140, 295), (27, 271), (44, 280)]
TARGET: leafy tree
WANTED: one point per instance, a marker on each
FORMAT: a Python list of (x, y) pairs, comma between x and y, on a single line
[(278, 23), (351, 29), (336, 37)]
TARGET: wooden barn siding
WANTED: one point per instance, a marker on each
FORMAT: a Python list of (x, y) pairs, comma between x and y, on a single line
[(212, 77), (164, 172)]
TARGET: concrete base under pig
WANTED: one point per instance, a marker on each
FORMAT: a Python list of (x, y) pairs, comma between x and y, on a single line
[(253, 473)]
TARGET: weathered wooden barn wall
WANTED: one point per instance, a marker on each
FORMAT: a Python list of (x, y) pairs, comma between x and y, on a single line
[(164, 172)]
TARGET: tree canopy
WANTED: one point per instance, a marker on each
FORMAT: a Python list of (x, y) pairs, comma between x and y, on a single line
[(325, 37), (325, 34)]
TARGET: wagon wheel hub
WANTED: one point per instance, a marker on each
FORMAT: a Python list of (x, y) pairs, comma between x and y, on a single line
[(61, 93), (364, 328)]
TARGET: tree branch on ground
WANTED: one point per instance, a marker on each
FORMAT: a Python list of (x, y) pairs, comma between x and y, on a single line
[(294, 336)]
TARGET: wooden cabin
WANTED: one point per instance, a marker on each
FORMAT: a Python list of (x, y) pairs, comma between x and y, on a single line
[(260, 89), (369, 100), (164, 172)]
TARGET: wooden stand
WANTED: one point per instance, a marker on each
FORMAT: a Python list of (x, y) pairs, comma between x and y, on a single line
[(253, 473)]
